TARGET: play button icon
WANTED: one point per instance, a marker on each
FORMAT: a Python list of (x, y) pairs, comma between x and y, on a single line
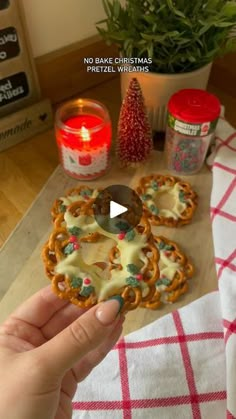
[(117, 209)]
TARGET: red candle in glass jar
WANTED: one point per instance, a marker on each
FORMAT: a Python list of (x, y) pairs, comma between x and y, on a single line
[(83, 133)]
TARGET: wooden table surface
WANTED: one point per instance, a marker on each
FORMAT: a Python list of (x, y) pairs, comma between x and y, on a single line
[(26, 275)]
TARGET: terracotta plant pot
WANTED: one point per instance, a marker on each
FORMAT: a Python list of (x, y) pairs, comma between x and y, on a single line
[(158, 88)]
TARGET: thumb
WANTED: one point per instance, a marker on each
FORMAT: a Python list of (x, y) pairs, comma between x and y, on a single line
[(82, 336)]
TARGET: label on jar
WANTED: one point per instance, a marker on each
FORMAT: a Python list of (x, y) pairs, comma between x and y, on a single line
[(84, 163), (194, 130)]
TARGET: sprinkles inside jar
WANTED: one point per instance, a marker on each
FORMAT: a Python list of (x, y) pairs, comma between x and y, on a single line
[(192, 118)]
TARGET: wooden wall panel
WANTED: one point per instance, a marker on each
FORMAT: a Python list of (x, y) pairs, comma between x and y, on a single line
[(63, 74), (223, 74)]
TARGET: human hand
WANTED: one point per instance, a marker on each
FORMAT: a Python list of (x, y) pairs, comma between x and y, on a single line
[(47, 346)]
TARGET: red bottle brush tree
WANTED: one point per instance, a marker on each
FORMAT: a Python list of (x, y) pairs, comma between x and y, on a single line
[(134, 140)]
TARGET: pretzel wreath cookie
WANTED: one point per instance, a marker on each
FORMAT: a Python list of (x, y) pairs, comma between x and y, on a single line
[(82, 194), (134, 277), (175, 271), (185, 199)]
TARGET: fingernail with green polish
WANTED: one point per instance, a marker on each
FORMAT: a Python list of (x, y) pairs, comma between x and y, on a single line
[(108, 311), (120, 300)]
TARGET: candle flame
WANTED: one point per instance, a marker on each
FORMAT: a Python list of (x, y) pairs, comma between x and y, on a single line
[(85, 134)]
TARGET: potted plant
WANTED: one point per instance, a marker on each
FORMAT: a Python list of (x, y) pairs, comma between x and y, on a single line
[(181, 37)]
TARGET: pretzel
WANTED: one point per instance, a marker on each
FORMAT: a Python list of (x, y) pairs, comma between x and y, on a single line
[(151, 187), (133, 276), (79, 208), (81, 194), (148, 274), (175, 271)]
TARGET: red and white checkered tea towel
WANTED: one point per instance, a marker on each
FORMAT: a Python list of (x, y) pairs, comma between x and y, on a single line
[(223, 216), (184, 364)]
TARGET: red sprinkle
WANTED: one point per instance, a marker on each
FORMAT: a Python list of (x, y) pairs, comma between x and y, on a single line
[(167, 253), (73, 239), (76, 246), (121, 236), (139, 277), (87, 281)]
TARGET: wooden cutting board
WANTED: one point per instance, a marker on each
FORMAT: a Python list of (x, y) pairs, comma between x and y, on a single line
[(20, 260)]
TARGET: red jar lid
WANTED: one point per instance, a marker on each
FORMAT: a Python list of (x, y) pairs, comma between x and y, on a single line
[(194, 105)]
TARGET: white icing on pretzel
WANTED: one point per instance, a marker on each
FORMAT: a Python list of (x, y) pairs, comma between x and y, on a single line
[(168, 269), (131, 253), (174, 191), (69, 199)]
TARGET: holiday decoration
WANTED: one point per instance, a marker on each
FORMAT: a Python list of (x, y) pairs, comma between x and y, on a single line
[(83, 133), (134, 142)]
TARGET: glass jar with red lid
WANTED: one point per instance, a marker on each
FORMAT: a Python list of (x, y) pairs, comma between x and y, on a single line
[(191, 122)]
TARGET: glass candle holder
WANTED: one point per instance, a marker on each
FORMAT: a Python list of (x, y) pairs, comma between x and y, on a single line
[(83, 133)]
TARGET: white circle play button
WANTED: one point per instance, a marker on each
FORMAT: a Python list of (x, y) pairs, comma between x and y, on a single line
[(118, 208)]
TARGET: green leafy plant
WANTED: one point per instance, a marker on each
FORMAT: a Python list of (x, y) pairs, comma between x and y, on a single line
[(179, 36)]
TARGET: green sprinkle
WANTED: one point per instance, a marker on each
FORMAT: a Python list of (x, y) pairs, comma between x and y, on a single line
[(122, 226), (68, 249), (163, 281), (176, 156), (154, 209), (130, 235), (132, 282), (154, 185), (86, 192), (76, 282), (86, 291), (132, 269), (186, 164), (169, 247), (62, 208), (161, 245), (146, 197), (75, 231), (182, 196)]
